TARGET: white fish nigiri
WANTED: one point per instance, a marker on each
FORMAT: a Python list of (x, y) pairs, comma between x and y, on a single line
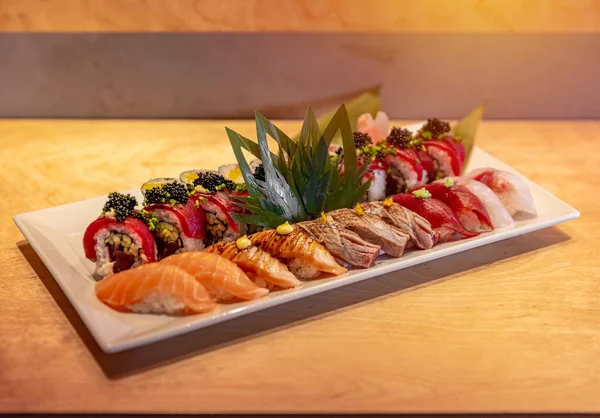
[(497, 212), (510, 189)]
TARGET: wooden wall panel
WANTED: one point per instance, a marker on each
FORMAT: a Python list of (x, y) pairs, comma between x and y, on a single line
[(415, 16), (207, 75)]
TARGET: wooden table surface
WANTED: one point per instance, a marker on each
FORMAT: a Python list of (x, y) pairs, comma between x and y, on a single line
[(512, 326)]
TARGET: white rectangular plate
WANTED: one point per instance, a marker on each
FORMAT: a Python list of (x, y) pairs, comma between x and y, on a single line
[(56, 235)]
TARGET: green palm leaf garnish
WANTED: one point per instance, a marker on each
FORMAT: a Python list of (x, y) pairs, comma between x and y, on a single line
[(466, 128), (301, 179)]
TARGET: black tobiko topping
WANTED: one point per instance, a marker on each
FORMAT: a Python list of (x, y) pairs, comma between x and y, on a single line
[(259, 172), (170, 192), (360, 139), (436, 127), (400, 137), (120, 205), (213, 182)]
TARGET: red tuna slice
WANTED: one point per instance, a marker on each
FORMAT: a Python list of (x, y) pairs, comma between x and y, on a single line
[(458, 147), (215, 202), (427, 163), (134, 225), (437, 149), (464, 203), (442, 219), (192, 219)]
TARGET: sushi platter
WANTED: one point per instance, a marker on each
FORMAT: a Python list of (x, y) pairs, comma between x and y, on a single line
[(179, 254)]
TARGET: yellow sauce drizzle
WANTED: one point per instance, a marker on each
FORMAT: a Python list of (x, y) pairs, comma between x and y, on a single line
[(285, 229), (243, 242)]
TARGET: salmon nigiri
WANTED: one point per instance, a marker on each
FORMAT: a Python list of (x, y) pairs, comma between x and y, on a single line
[(221, 277), (304, 256), (258, 264), (155, 288)]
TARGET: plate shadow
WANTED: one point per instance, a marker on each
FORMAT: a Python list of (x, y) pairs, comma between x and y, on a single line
[(293, 313)]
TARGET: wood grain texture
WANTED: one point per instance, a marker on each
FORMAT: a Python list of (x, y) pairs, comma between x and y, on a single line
[(512, 326), (441, 16)]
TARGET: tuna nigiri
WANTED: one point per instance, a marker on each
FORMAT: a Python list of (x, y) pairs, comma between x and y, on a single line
[(304, 256), (259, 265), (155, 288), (443, 219), (221, 277), (498, 214), (510, 189), (465, 204)]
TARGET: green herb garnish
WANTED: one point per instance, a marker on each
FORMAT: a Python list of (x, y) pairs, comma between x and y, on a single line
[(422, 193), (301, 180)]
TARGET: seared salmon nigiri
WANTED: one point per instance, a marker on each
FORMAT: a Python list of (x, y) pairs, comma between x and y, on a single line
[(221, 277), (155, 288), (258, 264), (304, 256)]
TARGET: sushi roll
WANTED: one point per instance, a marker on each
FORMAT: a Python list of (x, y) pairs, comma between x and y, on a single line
[(443, 220), (347, 247), (446, 161), (223, 280), (121, 237), (155, 288), (259, 265), (371, 155), (181, 224), (446, 151), (421, 234), (510, 189), (216, 196), (232, 172), (302, 254), (466, 205), (498, 214), (405, 170), (372, 228)]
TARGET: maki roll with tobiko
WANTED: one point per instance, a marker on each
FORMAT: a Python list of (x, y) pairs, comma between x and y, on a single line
[(181, 225), (373, 156), (121, 237), (405, 169), (232, 172), (215, 194), (446, 151)]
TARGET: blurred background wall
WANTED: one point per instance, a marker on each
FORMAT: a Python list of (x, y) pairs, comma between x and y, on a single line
[(225, 58)]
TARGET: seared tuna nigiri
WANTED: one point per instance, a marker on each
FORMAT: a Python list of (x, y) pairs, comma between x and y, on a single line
[(343, 244), (304, 256), (373, 229), (155, 288), (418, 229), (498, 214), (465, 204), (442, 219), (221, 277), (258, 264)]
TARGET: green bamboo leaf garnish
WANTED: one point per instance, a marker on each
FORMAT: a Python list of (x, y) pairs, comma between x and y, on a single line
[(301, 180), (466, 129)]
